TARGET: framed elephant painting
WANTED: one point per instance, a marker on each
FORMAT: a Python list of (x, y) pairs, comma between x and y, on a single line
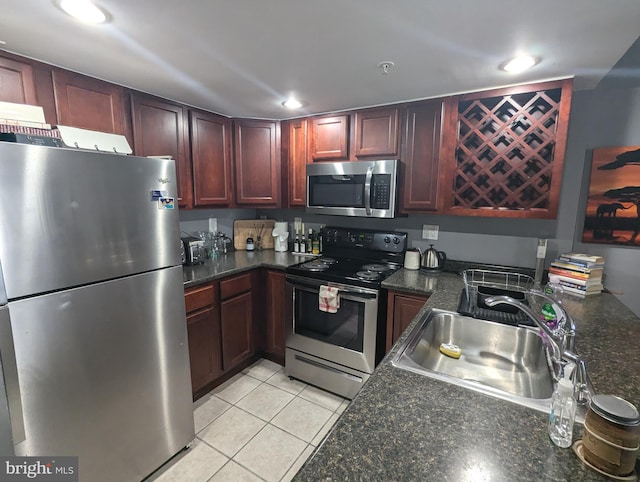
[(613, 205)]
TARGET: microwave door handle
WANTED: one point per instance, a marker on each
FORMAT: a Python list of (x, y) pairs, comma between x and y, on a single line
[(367, 191)]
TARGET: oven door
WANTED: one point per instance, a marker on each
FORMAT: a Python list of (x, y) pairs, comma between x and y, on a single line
[(347, 337)]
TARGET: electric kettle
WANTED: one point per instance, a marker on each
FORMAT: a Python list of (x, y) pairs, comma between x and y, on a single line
[(432, 259)]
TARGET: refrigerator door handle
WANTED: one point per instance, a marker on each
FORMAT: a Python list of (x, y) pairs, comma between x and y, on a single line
[(10, 369)]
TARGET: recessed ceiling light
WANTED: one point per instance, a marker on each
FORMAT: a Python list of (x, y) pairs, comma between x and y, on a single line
[(292, 103), (519, 64), (84, 11)]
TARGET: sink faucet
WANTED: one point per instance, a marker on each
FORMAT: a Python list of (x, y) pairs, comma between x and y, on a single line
[(561, 340)]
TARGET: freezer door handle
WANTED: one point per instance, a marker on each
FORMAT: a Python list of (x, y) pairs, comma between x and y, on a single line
[(10, 369)]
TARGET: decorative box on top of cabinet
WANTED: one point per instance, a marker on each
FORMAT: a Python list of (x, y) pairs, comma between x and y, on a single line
[(507, 154), (160, 129)]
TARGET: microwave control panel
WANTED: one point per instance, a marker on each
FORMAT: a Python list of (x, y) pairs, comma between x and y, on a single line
[(381, 191)]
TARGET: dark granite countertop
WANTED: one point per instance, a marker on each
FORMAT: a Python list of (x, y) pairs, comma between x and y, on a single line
[(237, 262), (403, 426)]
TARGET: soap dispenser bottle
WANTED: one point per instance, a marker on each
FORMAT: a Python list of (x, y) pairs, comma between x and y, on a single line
[(563, 411)]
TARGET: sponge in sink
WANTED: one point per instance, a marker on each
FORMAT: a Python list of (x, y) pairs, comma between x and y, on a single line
[(448, 349)]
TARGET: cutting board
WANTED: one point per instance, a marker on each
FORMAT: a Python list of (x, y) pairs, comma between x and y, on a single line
[(245, 228)]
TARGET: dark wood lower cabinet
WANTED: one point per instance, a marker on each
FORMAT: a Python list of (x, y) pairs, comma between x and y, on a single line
[(203, 331), (276, 322), (236, 316), (402, 308)]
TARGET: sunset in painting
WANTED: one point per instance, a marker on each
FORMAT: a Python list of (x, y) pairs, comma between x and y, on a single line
[(614, 197)]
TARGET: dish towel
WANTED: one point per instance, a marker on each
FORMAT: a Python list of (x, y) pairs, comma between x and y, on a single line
[(328, 299)]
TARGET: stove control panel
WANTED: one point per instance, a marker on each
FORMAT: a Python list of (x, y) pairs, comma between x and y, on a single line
[(391, 242)]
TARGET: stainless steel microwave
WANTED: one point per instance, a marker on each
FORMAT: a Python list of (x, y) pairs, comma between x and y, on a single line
[(356, 188)]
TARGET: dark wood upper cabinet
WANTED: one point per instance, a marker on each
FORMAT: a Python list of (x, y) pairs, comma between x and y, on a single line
[(422, 141), (89, 103), (505, 151), (257, 163), (330, 138), (298, 158), (17, 82), (377, 132), (159, 129), (211, 157)]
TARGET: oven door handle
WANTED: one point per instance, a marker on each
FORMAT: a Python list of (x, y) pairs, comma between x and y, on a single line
[(367, 191), (354, 293)]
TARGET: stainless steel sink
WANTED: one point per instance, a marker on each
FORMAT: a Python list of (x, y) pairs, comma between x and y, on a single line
[(508, 362)]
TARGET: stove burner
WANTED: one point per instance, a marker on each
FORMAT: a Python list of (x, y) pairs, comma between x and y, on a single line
[(314, 265), (368, 275), (326, 260), (375, 268)]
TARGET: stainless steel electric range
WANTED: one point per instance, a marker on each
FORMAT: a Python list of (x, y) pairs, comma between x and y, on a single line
[(338, 351)]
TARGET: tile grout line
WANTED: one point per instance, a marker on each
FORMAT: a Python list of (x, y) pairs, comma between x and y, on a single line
[(308, 444)]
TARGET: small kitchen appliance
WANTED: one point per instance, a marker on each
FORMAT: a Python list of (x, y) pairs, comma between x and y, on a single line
[(353, 188), (337, 351), (194, 250), (432, 259), (280, 235), (412, 258)]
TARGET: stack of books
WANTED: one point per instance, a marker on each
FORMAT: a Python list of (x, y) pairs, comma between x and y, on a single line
[(578, 274)]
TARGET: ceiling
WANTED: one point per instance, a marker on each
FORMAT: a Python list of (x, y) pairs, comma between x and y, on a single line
[(242, 58)]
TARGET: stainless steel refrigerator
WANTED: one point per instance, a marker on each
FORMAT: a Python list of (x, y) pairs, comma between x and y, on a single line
[(93, 339)]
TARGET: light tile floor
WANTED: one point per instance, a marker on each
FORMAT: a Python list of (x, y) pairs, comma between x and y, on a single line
[(258, 426)]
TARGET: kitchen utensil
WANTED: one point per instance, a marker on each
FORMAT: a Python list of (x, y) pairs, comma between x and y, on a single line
[(412, 258), (432, 259)]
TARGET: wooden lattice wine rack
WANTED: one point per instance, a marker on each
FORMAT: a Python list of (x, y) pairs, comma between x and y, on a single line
[(509, 151)]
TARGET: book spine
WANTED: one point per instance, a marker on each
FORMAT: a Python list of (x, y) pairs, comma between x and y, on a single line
[(579, 292), (574, 291), (575, 267), (577, 286), (582, 263), (569, 274)]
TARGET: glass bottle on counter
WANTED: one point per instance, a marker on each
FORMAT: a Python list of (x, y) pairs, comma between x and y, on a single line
[(310, 241), (303, 243)]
